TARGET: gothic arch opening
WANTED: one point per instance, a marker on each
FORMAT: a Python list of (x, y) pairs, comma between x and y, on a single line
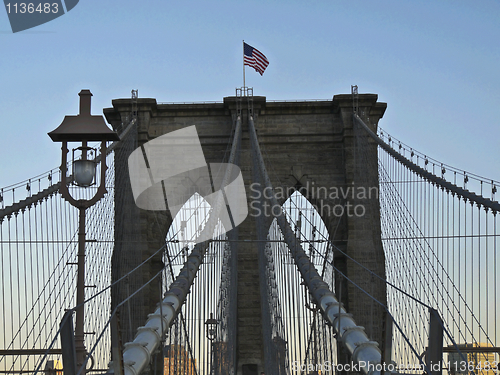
[(189, 347), (299, 335)]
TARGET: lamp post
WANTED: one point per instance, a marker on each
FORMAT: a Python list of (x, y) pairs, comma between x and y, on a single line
[(82, 128), (211, 333)]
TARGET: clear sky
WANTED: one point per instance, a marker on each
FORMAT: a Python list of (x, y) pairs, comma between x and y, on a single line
[(435, 63)]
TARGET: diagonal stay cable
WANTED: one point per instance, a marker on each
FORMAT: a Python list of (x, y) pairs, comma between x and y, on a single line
[(385, 307), (408, 218), (478, 199)]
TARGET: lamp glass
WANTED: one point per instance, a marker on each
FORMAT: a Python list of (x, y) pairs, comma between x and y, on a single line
[(84, 172)]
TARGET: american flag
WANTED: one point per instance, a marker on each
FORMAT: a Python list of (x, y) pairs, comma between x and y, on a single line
[(254, 58)]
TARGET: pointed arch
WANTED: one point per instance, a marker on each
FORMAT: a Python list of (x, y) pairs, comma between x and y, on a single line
[(187, 343), (299, 333)]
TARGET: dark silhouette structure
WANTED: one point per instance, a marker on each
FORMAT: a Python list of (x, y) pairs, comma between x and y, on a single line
[(310, 145)]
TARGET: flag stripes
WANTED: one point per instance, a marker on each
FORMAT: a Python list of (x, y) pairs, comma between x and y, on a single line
[(254, 58)]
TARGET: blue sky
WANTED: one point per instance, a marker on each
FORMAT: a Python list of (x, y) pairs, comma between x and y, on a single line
[(435, 63)]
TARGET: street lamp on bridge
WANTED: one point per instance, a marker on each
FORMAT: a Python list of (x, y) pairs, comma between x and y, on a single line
[(82, 128), (211, 333)]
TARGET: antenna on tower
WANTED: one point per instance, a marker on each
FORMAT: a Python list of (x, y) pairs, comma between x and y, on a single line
[(354, 92), (135, 95)]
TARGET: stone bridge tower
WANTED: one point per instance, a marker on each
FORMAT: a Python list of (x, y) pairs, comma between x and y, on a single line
[(308, 143)]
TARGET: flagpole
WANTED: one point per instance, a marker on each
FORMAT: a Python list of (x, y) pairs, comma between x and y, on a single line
[(243, 64)]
